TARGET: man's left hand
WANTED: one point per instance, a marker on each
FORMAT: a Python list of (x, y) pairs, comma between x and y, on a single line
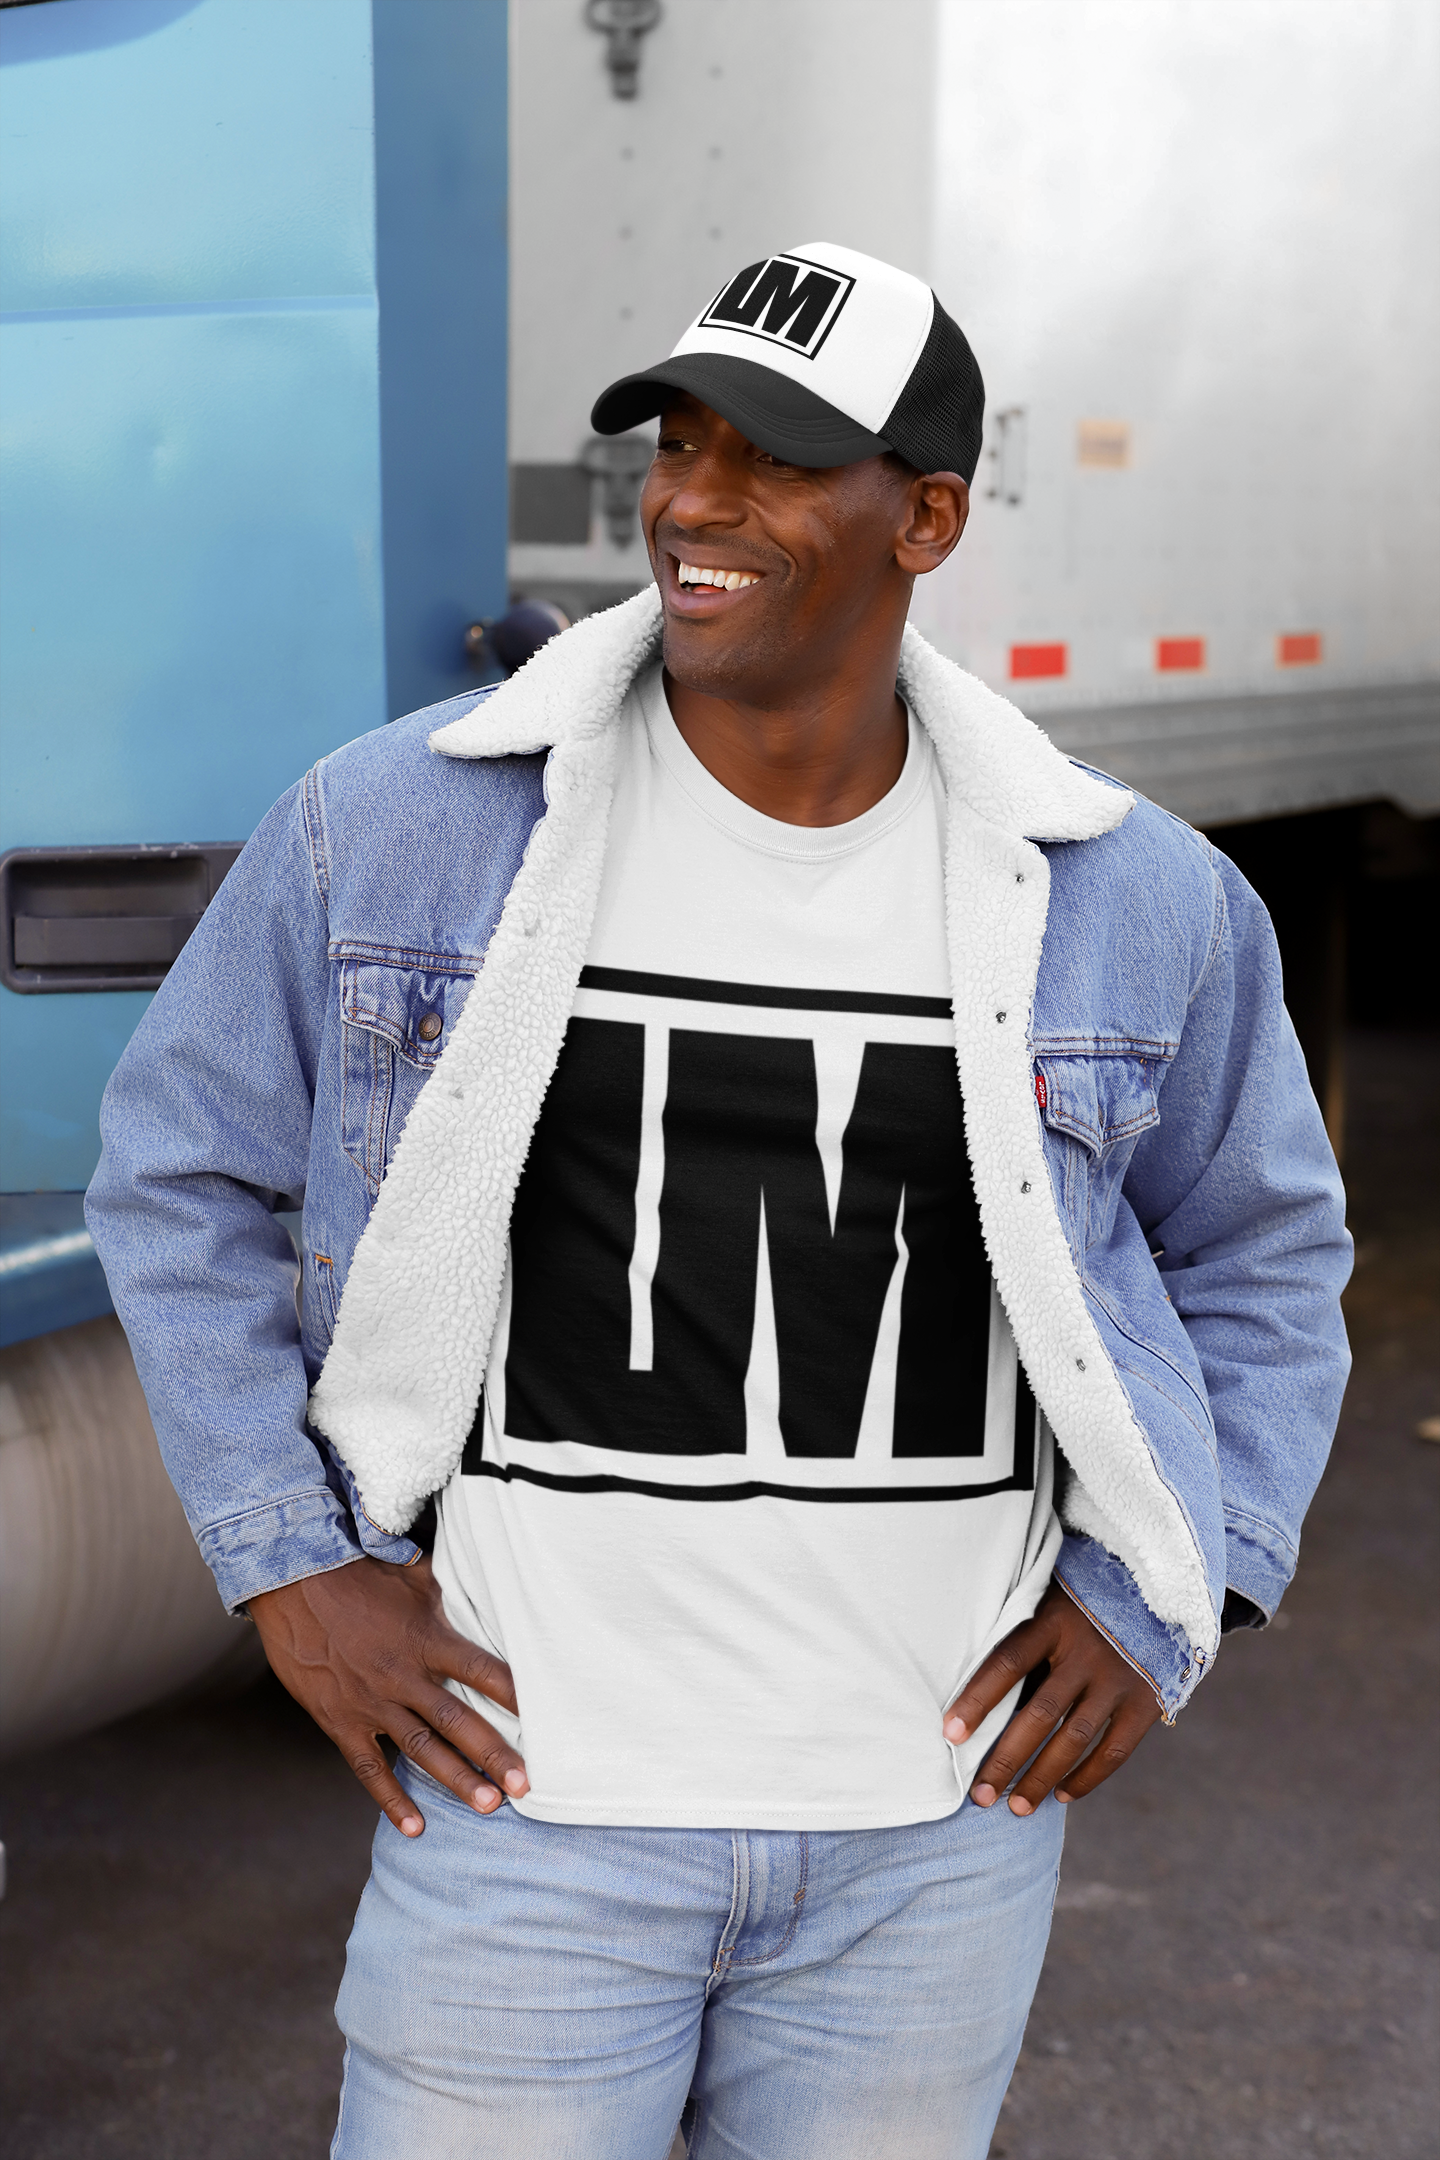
[(1088, 1690)]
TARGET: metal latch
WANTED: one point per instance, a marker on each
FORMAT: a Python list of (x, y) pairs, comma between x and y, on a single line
[(102, 918)]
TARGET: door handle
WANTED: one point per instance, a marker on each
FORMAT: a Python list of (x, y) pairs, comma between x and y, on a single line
[(43, 941), (91, 918)]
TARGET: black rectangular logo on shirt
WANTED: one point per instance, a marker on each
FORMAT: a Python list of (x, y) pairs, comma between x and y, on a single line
[(646, 1240)]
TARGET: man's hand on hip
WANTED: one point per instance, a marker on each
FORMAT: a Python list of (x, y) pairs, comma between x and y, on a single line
[(1088, 1690), (365, 1648)]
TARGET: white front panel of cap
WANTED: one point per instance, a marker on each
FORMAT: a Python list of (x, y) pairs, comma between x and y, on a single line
[(846, 326)]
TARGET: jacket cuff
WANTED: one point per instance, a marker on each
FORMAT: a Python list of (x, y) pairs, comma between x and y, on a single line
[(1253, 1568), (379, 1543), (307, 1533), (1106, 1593)]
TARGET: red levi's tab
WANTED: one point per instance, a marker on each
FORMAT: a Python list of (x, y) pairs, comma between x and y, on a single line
[(1040, 1096)]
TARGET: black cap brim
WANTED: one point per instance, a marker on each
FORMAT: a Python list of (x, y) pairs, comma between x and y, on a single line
[(769, 409)]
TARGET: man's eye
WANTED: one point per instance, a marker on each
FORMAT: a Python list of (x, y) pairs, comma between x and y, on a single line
[(675, 442)]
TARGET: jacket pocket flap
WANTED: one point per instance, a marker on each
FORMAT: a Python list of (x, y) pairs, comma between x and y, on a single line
[(1098, 1100), (413, 1008)]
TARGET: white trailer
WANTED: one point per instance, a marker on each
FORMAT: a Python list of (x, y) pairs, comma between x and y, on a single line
[(1191, 247)]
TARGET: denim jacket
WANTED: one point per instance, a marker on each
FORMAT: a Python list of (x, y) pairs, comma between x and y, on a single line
[(395, 954)]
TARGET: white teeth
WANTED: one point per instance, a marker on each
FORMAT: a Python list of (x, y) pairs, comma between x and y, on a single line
[(726, 580)]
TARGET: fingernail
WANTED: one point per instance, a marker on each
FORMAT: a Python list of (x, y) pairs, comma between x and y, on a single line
[(487, 1800), (1019, 1806), (516, 1782), (1064, 1798), (411, 1825), (956, 1730), (982, 1795)]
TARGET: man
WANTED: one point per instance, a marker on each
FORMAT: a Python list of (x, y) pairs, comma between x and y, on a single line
[(705, 1061)]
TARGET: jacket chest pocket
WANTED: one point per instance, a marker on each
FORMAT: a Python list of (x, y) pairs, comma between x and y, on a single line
[(396, 1022), (1101, 1105)]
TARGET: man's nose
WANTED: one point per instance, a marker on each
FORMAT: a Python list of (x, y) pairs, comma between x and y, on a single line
[(710, 494)]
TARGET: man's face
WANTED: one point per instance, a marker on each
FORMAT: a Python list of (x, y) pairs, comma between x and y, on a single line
[(819, 548)]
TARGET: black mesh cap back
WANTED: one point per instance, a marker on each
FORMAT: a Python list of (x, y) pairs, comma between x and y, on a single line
[(938, 419)]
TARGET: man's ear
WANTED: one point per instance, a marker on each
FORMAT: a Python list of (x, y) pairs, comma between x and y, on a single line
[(939, 506)]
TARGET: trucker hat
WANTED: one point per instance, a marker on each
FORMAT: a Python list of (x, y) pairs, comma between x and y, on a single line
[(822, 356)]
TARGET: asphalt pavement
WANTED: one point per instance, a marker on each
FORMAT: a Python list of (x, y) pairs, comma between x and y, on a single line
[(1243, 1964)]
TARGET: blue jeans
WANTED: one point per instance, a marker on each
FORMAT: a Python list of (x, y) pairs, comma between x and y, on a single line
[(561, 1992)]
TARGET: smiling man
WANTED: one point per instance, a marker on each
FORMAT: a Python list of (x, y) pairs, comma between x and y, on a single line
[(823, 1190)]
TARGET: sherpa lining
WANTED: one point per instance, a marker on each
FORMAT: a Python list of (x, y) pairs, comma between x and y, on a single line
[(399, 1389)]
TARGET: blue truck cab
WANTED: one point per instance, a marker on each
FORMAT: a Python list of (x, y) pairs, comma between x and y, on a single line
[(253, 370)]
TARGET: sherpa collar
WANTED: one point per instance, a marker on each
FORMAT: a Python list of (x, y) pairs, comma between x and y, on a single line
[(991, 756)]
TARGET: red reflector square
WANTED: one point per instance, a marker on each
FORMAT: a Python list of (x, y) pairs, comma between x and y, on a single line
[(1298, 648), (1027, 661), (1173, 654)]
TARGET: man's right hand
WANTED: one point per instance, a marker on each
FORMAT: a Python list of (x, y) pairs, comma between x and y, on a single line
[(365, 1649)]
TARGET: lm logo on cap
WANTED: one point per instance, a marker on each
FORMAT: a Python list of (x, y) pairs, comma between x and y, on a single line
[(785, 299)]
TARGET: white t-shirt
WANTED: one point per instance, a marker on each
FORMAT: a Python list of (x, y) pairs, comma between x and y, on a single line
[(755, 1480)]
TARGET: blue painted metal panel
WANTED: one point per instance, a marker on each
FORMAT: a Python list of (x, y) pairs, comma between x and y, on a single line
[(197, 538), (440, 165), (56, 1053), (191, 602), (50, 1272), (220, 152)]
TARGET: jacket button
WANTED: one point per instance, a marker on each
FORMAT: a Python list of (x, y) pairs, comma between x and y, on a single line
[(431, 1026)]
